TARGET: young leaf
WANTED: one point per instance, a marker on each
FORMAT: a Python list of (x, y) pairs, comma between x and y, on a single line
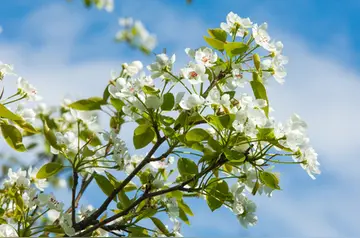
[(234, 156), (260, 91), (216, 44), (270, 180), (93, 103), (160, 226), (168, 102), (13, 137), (104, 184), (185, 207), (6, 113), (197, 135), (26, 126), (235, 48), (50, 136), (143, 135), (49, 170), (187, 166), (218, 34)]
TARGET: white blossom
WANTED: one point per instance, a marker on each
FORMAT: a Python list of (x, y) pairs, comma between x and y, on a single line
[(27, 90), (236, 25), (41, 184), (192, 101), (133, 68), (205, 56), (7, 231), (195, 73)]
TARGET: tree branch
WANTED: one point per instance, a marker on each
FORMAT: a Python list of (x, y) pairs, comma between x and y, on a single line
[(145, 196)]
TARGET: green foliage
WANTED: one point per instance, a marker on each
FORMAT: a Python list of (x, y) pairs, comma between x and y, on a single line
[(13, 137), (48, 170), (143, 135), (90, 104)]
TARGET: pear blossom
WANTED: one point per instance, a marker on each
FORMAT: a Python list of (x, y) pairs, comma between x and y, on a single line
[(41, 184), (247, 217), (237, 80), (236, 25), (87, 117), (27, 90), (6, 69), (121, 89), (206, 57), (276, 67), (311, 164), (53, 215), (68, 140), (192, 101), (7, 230), (27, 114), (19, 178), (66, 223), (195, 73), (147, 40), (214, 97), (261, 36), (162, 64), (133, 68), (173, 208), (108, 5), (126, 21)]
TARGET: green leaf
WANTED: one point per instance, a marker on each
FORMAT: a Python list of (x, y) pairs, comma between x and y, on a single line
[(160, 226), (13, 137), (150, 90), (93, 103), (106, 94), (214, 144), (117, 103), (185, 207), (123, 199), (168, 102), (235, 48), (6, 113), (197, 135), (215, 43), (257, 61), (234, 156), (49, 170), (187, 166), (26, 126), (217, 193), (255, 188), (227, 120), (218, 34), (130, 187), (167, 121), (145, 214), (270, 180), (143, 135), (104, 184), (54, 229), (260, 91), (50, 136), (183, 216), (137, 232)]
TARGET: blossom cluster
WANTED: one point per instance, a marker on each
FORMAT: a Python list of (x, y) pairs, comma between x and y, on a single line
[(221, 143), (135, 33)]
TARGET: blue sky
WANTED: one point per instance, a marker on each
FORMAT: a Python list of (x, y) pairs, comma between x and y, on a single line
[(64, 49)]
